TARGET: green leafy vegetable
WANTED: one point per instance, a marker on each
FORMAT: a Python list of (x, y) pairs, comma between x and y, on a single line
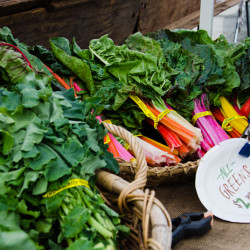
[(212, 62), (46, 139), (143, 70), (80, 68)]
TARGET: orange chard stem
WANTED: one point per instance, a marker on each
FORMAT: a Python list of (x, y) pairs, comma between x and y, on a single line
[(218, 114), (72, 85), (169, 136), (185, 134), (184, 150), (71, 82), (161, 147), (58, 78), (234, 133), (112, 149)]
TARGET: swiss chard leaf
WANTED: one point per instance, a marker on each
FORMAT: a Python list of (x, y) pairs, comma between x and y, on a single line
[(29, 177), (76, 65), (13, 65), (216, 75), (143, 70), (6, 36), (71, 151), (40, 186), (23, 209), (45, 156), (44, 225), (49, 59), (82, 243)]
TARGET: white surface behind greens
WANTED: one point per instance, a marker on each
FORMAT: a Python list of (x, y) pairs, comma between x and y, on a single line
[(225, 23)]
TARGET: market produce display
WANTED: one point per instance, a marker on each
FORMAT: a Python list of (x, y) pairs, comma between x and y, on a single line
[(179, 92), (162, 87)]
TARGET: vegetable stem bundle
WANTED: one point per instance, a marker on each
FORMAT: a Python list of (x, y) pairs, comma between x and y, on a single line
[(219, 117), (183, 133), (239, 123), (212, 132)]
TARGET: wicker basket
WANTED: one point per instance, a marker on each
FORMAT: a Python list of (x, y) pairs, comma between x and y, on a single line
[(157, 175), (150, 223)]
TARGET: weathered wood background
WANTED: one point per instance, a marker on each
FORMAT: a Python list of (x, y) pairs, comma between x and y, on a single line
[(35, 21)]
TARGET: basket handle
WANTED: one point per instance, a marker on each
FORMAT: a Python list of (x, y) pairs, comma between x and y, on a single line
[(141, 171), (152, 209)]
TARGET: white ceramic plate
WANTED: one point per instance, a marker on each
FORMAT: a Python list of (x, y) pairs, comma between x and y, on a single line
[(223, 181)]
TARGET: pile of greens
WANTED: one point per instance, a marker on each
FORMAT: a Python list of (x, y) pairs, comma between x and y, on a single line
[(176, 66), (46, 139), (217, 67)]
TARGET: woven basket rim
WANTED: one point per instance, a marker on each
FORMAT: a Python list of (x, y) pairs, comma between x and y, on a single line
[(155, 175)]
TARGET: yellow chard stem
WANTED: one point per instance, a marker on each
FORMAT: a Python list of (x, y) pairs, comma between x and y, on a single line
[(229, 112)]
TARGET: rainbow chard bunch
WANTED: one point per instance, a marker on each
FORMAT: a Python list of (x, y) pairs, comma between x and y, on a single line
[(50, 147), (212, 132)]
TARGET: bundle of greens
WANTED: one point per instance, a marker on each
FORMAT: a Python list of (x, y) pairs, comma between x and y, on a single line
[(202, 65), (117, 72), (177, 66), (142, 74), (49, 140)]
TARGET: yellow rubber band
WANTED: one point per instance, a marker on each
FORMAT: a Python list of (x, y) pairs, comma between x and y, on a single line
[(107, 121), (126, 146), (107, 138), (201, 114), (144, 109), (164, 113), (70, 184), (225, 124), (133, 160), (147, 112)]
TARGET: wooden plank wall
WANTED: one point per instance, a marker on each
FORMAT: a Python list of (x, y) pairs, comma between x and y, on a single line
[(83, 19), (160, 13), (35, 21)]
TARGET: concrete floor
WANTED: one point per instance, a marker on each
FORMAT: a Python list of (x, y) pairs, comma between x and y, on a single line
[(225, 23)]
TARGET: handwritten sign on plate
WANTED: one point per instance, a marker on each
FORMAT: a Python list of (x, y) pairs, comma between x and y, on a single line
[(223, 181)]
